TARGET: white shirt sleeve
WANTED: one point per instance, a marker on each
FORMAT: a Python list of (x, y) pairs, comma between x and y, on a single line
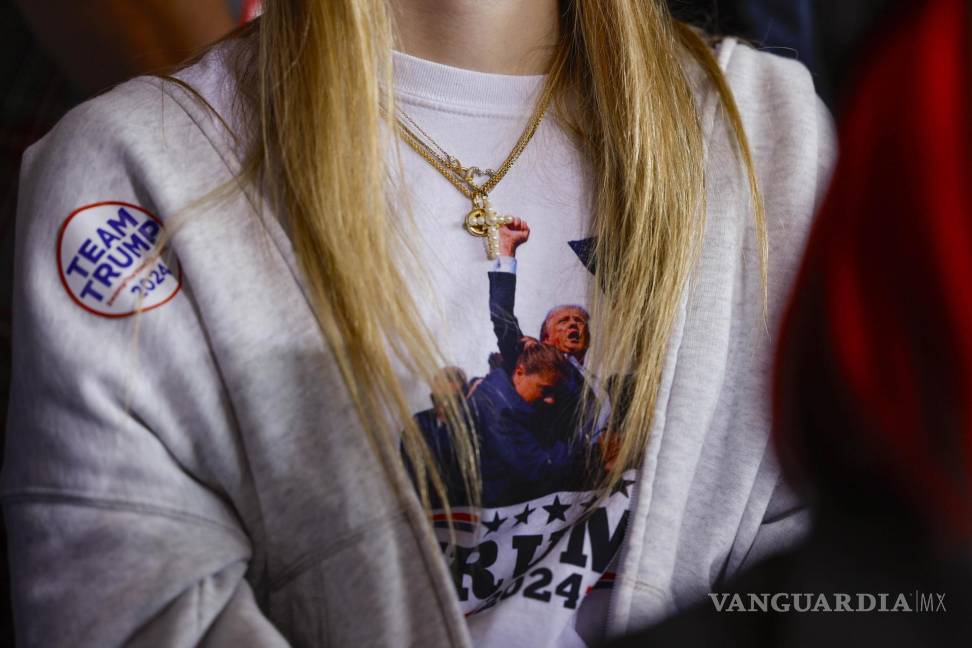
[(505, 264)]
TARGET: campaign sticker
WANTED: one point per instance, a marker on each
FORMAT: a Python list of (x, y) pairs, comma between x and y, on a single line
[(110, 263)]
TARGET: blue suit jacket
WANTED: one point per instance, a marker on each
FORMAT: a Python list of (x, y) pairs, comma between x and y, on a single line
[(518, 463)]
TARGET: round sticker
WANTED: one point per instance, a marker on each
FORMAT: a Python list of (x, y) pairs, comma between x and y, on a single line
[(110, 263)]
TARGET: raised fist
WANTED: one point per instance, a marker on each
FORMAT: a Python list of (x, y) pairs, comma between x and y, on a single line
[(513, 236)]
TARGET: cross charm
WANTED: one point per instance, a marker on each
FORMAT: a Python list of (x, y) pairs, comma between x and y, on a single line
[(484, 222)]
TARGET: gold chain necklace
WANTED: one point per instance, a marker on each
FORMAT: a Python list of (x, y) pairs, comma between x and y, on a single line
[(469, 174), (482, 220)]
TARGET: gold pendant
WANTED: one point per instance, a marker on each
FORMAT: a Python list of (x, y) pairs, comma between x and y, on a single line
[(482, 221)]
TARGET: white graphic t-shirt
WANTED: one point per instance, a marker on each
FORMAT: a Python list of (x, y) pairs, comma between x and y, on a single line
[(533, 566), (525, 564)]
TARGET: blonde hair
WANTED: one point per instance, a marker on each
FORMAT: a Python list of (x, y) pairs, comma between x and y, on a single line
[(316, 109)]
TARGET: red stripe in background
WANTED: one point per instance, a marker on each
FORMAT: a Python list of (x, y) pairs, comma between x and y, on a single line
[(460, 517)]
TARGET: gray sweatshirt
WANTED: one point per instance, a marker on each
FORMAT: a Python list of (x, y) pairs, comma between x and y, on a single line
[(195, 474)]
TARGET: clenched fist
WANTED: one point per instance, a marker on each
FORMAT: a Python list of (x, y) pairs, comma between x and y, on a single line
[(513, 236)]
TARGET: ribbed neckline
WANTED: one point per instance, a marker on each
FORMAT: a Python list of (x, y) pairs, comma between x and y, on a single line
[(426, 82)]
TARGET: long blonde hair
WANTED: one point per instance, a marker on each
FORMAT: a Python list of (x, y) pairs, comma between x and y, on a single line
[(316, 109)]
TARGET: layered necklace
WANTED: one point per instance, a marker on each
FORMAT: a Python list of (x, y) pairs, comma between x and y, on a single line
[(482, 220)]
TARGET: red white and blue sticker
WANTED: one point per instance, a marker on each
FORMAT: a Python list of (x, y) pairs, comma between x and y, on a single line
[(110, 263)]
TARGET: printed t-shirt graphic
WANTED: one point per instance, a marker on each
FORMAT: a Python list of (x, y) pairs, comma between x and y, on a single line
[(542, 542)]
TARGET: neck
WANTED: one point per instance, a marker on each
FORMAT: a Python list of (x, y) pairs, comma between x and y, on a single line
[(497, 36)]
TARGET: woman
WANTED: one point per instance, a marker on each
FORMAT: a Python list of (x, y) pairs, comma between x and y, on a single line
[(224, 466)]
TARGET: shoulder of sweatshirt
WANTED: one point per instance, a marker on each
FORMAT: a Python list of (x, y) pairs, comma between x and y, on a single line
[(792, 138), (143, 129), (780, 108)]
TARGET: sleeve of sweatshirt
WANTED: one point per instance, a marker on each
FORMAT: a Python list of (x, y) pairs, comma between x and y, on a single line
[(792, 134), (787, 519), (123, 472)]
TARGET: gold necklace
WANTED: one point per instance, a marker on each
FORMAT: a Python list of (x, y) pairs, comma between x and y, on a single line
[(482, 220), (467, 173)]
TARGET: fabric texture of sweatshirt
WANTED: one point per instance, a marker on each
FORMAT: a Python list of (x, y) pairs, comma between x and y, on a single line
[(195, 473)]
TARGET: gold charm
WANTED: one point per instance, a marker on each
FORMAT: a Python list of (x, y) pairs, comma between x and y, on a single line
[(470, 174), (483, 222)]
